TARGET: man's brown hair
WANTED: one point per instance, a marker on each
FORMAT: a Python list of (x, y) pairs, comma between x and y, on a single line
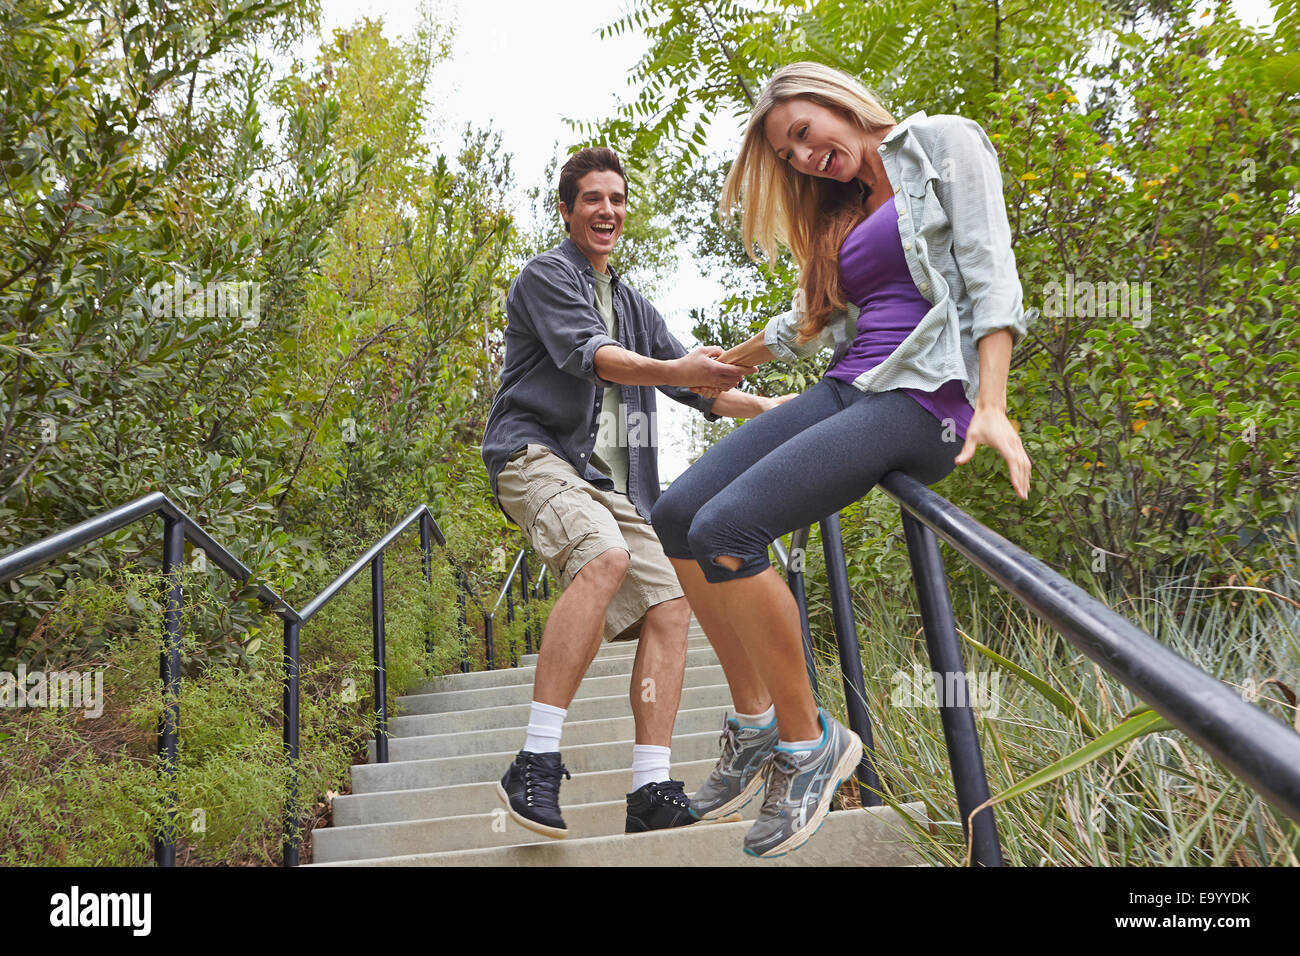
[(582, 162)]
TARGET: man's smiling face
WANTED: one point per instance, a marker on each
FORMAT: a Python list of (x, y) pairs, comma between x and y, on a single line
[(596, 220)]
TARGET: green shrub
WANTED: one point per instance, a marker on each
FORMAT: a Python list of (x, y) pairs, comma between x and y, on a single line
[(88, 791)]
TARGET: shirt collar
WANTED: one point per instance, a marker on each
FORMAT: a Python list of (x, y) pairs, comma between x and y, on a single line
[(569, 249), (898, 130)]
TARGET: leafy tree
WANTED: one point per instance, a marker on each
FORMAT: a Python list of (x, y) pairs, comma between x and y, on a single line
[(125, 192), (153, 159), (1173, 173)]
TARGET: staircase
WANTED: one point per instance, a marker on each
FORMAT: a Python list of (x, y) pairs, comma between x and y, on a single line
[(435, 802)]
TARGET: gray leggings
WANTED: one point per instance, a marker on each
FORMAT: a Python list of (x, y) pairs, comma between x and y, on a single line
[(792, 466)]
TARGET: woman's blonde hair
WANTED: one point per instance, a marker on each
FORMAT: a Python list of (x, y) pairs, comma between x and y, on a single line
[(810, 214)]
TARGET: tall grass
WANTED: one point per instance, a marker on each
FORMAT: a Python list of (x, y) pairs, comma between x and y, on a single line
[(1156, 800)]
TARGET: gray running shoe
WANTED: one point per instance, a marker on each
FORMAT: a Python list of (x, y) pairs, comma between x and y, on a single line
[(800, 785), (738, 776)]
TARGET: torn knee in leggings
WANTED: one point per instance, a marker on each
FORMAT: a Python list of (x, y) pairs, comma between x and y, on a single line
[(728, 562)]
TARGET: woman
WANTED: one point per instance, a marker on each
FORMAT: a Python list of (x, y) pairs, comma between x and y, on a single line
[(904, 250)]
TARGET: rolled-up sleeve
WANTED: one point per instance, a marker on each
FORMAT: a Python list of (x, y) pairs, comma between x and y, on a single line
[(781, 334), (981, 233), (548, 299), (665, 347)]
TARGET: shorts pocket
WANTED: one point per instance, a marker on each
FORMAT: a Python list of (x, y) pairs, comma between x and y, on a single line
[(560, 525), (540, 494)]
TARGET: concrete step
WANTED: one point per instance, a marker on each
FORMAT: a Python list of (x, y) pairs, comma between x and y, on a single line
[(601, 667), (694, 639), (492, 827), (452, 700), (575, 733), (516, 715), (445, 771), (433, 802), (876, 836)]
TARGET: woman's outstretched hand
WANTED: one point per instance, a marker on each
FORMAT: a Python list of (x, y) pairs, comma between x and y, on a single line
[(752, 404), (990, 426), (782, 399)]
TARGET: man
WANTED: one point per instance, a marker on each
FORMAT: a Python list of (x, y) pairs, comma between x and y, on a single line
[(570, 451)]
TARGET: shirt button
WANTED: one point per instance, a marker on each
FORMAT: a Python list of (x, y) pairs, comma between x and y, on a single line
[(908, 244), (880, 148), (583, 455), (924, 286)]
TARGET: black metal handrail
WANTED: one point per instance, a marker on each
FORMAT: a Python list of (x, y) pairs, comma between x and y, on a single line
[(1253, 744), (177, 527), (793, 565), (519, 569)]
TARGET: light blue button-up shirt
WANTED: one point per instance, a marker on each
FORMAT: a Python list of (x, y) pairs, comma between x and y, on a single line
[(952, 222)]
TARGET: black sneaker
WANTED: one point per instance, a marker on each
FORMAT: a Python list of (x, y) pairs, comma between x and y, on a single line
[(658, 806), (531, 792)]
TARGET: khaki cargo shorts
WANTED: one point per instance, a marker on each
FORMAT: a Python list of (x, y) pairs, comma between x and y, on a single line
[(569, 521)]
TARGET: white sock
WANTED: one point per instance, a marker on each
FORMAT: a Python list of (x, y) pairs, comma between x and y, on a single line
[(649, 765), (544, 725), (802, 744), (757, 720)]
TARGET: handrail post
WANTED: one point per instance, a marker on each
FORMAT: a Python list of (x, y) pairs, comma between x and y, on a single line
[(426, 555), (510, 619), (959, 731), (523, 594), (292, 836), (170, 672), (462, 585), (538, 585), (377, 627), (846, 635), (426, 562), (487, 640), (794, 579)]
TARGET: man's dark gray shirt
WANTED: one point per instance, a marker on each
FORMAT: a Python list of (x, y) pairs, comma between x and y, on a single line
[(550, 393)]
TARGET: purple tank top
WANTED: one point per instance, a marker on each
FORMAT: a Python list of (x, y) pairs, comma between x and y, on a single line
[(876, 278)]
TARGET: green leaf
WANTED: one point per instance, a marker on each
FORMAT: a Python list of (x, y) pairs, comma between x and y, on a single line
[(1061, 701), (1147, 722)]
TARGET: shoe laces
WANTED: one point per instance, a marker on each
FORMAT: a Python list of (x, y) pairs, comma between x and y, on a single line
[(674, 792), (543, 782), (730, 741), (780, 771)]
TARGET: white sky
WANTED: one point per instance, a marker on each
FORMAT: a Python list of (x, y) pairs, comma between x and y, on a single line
[(523, 66)]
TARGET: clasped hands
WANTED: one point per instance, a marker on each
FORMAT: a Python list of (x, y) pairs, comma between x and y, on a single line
[(713, 374)]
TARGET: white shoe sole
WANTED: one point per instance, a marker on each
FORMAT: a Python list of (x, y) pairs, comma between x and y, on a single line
[(848, 761), (736, 803), (555, 833)]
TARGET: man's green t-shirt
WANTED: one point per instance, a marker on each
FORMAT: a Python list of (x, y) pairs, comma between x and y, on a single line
[(610, 453)]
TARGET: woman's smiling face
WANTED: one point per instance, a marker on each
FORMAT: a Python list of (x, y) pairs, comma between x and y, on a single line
[(815, 140)]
